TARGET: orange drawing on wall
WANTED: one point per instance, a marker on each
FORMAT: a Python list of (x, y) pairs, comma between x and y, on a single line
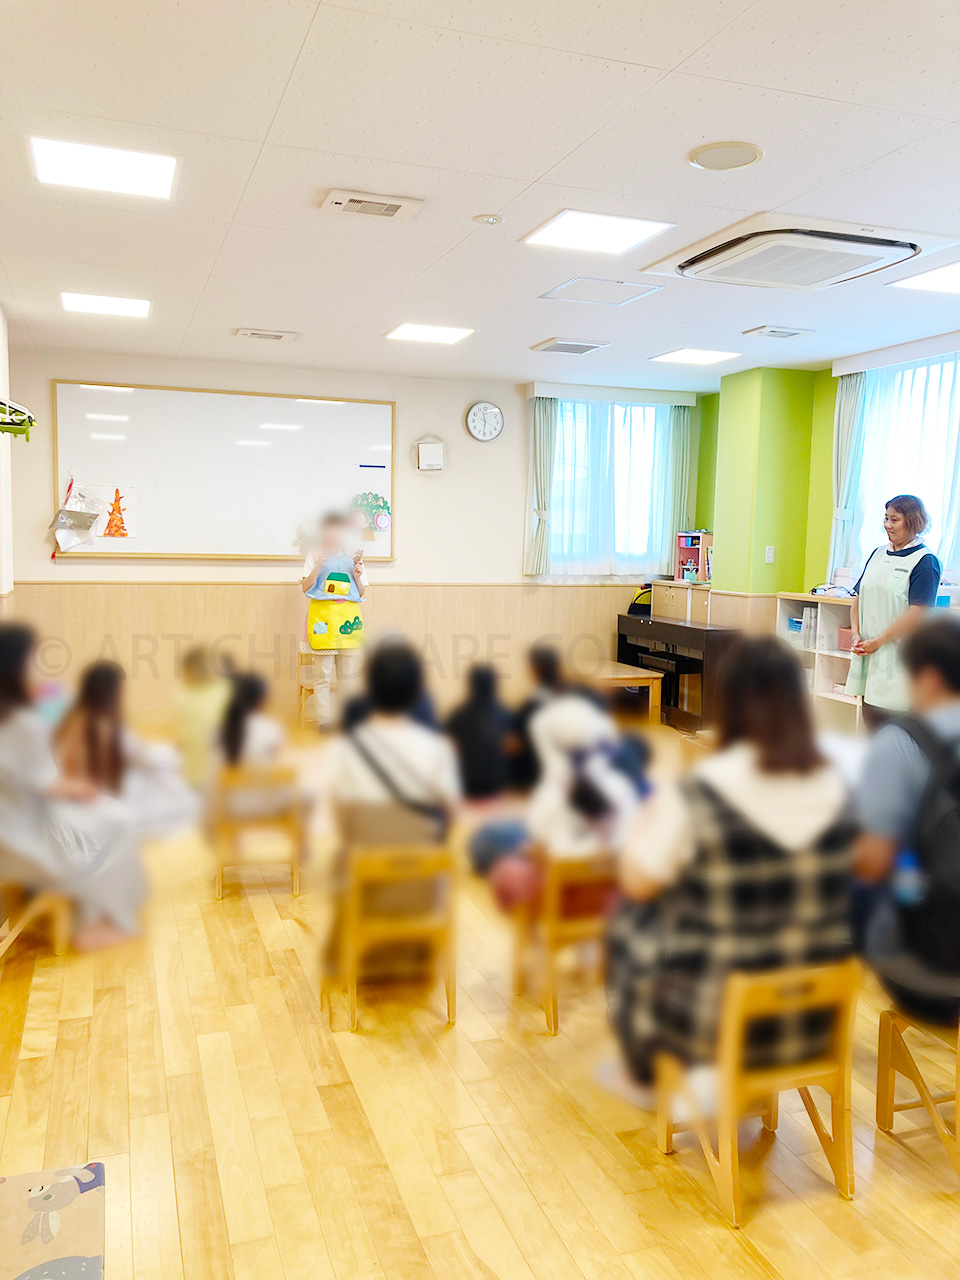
[(115, 527)]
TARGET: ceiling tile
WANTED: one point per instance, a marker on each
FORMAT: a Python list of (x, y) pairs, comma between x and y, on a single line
[(656, 33), (321, 258), (206, 339), (214, 66), (916, 187), (38, 282), (805, 141), (211, 175), (111, 237), (289, 183), (370, 86), (901, 54)]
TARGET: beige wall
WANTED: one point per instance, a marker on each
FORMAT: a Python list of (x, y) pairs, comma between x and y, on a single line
[(464, 524), (6, 475), (146, 626)]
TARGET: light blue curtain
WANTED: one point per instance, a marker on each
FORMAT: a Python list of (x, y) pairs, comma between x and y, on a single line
[(848, 432), (545, 413), (619, 483), (911, 433)]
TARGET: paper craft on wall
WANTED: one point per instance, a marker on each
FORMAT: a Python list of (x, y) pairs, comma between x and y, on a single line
[(120, 511), (372, 514), (115, 528)]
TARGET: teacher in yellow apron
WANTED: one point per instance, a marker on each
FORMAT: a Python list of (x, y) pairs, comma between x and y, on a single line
[(898, 585)]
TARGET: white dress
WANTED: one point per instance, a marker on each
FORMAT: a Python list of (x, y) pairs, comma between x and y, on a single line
[(88, 851)]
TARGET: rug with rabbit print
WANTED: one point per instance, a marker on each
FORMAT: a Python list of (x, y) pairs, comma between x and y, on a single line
[(51, 1225)]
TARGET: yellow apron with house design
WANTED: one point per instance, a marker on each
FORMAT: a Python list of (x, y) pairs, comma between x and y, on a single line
[(333, 615)]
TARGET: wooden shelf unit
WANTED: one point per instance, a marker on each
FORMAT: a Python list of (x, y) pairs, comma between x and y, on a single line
[(692, 545), (826, 663)]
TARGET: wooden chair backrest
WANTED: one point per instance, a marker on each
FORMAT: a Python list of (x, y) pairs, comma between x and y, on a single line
[(363, 825), (782, 992), (243, 780), (386, 864)]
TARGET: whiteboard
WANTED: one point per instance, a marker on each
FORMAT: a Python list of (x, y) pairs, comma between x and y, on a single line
[(219, 473)]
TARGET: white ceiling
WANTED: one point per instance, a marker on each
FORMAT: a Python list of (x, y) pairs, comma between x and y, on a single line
[(519, 107)]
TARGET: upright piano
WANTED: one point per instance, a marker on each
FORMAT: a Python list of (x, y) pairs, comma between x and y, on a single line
[(688, 653)]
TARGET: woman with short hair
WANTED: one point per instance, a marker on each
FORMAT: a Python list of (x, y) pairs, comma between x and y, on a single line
[(898, 585)]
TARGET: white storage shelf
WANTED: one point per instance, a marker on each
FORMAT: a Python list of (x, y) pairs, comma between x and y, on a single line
[(825, 663)]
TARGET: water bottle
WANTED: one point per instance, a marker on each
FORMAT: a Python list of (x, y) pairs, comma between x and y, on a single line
[(909, 881)]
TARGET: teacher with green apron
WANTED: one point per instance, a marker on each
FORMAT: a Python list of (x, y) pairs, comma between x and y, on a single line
[(898, 585)]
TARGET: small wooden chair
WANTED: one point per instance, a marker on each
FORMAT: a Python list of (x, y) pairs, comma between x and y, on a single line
[(305, 657), (376, 868), (596, 873), (748, 997), (893, 1055), (17, 911), (234, 815)]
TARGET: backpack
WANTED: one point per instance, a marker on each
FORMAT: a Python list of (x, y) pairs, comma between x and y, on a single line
[(930, 928)]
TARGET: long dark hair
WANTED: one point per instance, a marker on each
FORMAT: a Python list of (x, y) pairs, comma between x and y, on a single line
[(16, 645), (249, 692), (546, 667), (762, 698), (98, 706)]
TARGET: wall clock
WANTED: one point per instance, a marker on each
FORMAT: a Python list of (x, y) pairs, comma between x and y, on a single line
[(484, 421)]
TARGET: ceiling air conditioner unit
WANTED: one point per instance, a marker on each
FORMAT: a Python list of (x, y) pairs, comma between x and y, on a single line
[(777, 251), (392, 208)]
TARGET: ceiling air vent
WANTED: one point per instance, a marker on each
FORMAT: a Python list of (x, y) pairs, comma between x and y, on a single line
[(603, 293), (778, 251), (776, 331), (568, 346), (267, 335), (393, 208)]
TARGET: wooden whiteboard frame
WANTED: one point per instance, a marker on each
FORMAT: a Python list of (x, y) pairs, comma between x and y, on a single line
[(212, 391)]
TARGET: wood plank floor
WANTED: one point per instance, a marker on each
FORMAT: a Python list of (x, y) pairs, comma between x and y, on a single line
[(242, 1137)]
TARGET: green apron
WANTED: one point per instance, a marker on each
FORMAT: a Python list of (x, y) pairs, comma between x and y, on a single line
[(884, 597)]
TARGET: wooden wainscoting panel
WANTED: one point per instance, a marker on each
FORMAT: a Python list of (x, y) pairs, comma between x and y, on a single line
[(147, 627)]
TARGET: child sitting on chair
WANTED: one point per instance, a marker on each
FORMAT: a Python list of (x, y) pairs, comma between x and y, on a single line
[(336, 583)]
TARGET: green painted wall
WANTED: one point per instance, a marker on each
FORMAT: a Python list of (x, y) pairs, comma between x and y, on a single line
[(763, 479), (820, 491), (707, 461), (738, 446), (783, 479)]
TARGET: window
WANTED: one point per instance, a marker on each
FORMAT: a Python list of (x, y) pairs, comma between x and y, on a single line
[(619, 487), (911, 428)]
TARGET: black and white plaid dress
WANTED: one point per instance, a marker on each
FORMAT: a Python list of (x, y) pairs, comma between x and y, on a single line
[(744, 903)]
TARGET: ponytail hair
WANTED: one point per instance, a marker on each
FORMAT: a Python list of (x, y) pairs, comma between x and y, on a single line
[(249, 692)]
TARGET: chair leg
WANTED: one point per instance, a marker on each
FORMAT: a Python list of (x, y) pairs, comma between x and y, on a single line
[(728, 1161), (60, 918), (886, 1072), (295, 870), (667, 1072), (521, 939), (219, 879), (352, 995), (841, 1123), (550, 989), (771, 1112), (450, 980)]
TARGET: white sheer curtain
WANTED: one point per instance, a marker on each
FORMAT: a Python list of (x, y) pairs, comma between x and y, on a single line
[(619, 477), (911, 427)]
